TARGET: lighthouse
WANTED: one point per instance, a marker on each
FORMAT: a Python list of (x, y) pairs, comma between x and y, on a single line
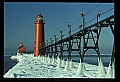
[(39, 34)]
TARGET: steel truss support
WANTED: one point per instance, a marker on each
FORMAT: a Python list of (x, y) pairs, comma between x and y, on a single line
[(90, 33), (61, 46), (47, 49), (113, 32), (51, 48), (69, 47), (56, 49), (77, 41)]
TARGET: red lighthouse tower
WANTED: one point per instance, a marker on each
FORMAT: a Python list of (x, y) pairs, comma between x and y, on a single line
[(39, 34)]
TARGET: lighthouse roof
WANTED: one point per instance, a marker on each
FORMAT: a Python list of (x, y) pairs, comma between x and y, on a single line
[(39, 15), (21, 46)]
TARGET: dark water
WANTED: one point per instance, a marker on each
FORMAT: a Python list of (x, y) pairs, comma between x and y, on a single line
[(8, 63), (92, 59)]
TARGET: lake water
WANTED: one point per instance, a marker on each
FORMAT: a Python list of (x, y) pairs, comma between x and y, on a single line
[(8, 63)]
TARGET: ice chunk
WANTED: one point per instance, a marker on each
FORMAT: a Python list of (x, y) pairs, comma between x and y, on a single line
[(80, 70), (53, 61), (71, 64), (59, 63), (63, 63), (67, 65), (101, 69), (110, 71)]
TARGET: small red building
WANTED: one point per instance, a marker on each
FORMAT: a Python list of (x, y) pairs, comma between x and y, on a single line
[(21, 48)]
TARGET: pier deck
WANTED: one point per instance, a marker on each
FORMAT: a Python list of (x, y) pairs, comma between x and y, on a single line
[(39, 67)]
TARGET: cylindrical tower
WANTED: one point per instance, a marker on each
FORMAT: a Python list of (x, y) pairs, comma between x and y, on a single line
[(39, 34)]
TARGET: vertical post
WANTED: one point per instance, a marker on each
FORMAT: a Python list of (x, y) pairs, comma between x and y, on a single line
[(82, 39), (46, 47), (69, 50), (83, 33), (61, 47), (113, 53), (55, 46), (98, 15), (51, 46)]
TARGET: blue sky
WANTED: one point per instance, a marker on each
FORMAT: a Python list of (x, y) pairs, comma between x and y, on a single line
[(19, 18)]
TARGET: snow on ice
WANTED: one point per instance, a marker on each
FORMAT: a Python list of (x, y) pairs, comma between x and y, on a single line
[(46, 67)]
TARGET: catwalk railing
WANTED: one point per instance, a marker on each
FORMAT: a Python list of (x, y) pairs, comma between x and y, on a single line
[(84, 39)]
